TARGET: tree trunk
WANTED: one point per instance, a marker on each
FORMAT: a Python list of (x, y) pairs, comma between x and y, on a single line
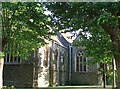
[(118, 73), (114, 36), (114, 78), (104, 75), (1, 72), (116, 43)]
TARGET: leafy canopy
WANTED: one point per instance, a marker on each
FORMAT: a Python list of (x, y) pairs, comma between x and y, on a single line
[(91, 17), (25, 27)]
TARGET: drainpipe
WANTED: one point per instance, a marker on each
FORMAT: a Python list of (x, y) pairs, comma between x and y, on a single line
[(70, 62)]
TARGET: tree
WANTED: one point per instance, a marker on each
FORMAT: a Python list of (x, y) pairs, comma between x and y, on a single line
[(24, 28), (100, 24)]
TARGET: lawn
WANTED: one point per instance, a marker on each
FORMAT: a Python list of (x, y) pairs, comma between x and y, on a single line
[(78, 88), (71, 87)]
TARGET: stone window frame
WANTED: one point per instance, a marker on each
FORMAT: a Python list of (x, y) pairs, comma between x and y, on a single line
[(10, 59), (80, 60)]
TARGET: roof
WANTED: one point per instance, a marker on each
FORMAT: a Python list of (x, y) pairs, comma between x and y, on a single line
[(61, 40)]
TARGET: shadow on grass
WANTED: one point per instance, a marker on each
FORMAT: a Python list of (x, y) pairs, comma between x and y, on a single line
[(67, 88), (63, 87)]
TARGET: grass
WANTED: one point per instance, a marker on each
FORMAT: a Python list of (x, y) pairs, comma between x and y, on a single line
[(77, 88), (71, 87)]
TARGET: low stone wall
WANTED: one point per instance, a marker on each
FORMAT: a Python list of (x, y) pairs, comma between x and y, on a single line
[(84, 78), (19, 75)]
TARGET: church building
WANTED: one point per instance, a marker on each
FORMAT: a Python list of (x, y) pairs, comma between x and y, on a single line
[(58, 63)]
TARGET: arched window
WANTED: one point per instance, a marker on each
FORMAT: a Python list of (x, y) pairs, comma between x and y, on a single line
[(45, 61), (55, 56), (81, 65)]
